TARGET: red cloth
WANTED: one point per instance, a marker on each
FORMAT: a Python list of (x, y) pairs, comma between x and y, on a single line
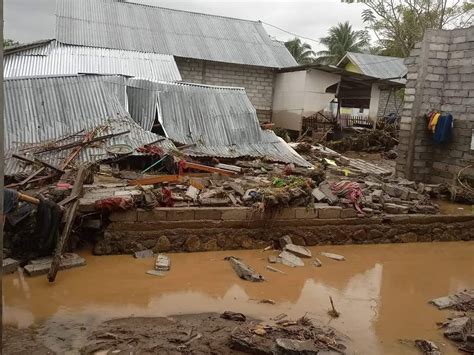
[(113, 204), (167, 197)]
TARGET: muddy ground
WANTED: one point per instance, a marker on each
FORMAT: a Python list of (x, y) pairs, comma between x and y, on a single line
[(206, 333)]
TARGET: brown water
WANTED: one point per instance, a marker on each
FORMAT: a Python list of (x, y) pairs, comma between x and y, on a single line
[(380, 290)]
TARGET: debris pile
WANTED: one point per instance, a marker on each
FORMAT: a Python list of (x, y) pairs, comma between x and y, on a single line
[(459, 326), (366, 140), (287, 337)]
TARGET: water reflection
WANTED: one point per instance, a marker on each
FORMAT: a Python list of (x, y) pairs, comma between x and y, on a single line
[(377, 290)]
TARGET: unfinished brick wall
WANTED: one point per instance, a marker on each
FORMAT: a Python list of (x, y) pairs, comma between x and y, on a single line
[(441, 77), (257, 81), (389, 101)]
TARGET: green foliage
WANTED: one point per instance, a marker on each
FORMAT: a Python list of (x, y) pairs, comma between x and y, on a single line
[(400, 24), (340, 40), (302, 52), (9, 42)]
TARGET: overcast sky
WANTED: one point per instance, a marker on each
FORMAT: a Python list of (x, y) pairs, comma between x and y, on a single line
[(30, 20)]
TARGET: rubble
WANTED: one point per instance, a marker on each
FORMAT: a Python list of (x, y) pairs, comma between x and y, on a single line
[(239, 317), (427, 347), (244, 271), (455, 300), (271, 268), (290, 259), (42, 266), (162, 263), (458, 329), (297, 250), (317, 262), (143, 254), (288, 337), (333, 256), (10, 266)]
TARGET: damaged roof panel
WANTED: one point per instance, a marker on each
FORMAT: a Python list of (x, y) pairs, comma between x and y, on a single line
[(136, 27), (42, 109), (54, 58), (219, 121)]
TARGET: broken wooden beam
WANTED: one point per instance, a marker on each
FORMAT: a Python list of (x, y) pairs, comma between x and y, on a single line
[(155, 180), (70, 214), (209, 169)]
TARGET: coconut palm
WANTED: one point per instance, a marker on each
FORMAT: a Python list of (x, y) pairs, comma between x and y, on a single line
[(302, 52), (340, 40)]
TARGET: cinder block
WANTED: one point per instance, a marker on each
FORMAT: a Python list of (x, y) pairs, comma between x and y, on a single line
[(235, 214), (180, 214), (154, 215), (306, 213), (329, 212), (348, 213), (207, 213), (126, 216), (286, 213)]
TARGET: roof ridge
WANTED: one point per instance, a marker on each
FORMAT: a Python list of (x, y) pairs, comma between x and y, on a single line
[(179, 10)]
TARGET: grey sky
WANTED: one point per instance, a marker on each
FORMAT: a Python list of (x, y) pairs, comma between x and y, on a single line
[(30, 20)]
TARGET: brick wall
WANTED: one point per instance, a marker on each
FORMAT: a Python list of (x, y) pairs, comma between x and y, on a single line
[(257, 81), (390, 101), (440, 76)]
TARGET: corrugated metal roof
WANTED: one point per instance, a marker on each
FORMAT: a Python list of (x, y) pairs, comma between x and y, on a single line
[(220, 121), (54, 58), (41, 109), (127, 26), (377, 66)]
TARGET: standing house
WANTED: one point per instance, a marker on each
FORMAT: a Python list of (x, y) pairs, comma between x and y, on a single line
[(385, 97), (302, 91), (207, 49)]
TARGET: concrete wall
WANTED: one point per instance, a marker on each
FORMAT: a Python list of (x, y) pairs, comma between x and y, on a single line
[(374, 102), (299, 94), (440, 76), (389, 101), (202, 229), (257, 81)]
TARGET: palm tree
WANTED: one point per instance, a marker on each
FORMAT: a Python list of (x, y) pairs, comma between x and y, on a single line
[(302, 52), (340, 40)]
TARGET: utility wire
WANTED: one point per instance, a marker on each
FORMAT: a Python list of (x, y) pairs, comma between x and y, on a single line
[(291, 33), (318, 41)]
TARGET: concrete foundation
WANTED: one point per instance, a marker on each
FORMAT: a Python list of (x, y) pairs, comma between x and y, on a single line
[(205, 229)]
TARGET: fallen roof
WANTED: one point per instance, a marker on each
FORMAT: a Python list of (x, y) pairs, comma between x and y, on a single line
[(127, 26), (41, 109), (377, 66), (218, 121), (54, 58)]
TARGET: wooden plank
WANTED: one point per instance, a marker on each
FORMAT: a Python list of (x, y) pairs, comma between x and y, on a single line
[(47, 165), (68, 200), (209, 169), (70, 213), (155, 180)]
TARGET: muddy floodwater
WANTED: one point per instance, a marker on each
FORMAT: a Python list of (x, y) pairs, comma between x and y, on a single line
[(381, 291)]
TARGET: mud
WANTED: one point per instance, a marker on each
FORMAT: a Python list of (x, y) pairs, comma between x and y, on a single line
[(381, 291)]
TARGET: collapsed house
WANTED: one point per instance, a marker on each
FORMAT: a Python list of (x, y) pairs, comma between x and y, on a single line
[(207, 49)]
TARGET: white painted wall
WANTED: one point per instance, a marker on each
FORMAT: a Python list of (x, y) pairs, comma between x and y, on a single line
[(374, 102), (300, 93)]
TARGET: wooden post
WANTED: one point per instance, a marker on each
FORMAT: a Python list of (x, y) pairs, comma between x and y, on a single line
[(71, 210)]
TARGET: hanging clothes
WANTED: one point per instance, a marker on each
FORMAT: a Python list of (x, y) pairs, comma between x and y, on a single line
[(443, 128), (434, 121)]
